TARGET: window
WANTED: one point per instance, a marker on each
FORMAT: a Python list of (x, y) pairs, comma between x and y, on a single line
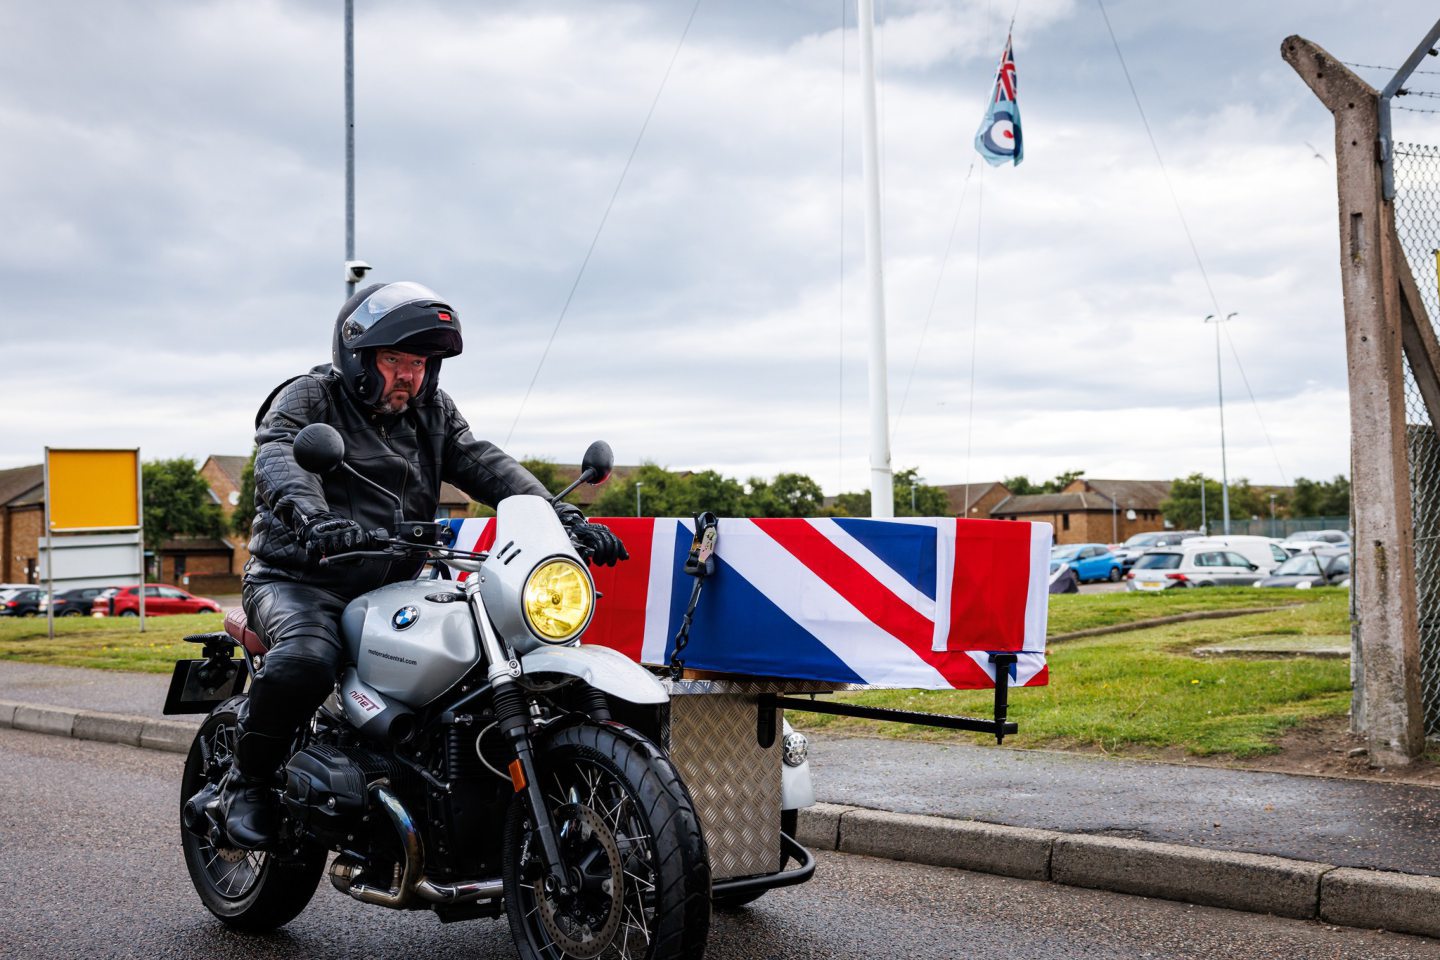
[(1235, 560), (1280, 555), (1340, 566), (170, 593), (1065, 521), (152, 591), (1209, 560), (1158, 561)]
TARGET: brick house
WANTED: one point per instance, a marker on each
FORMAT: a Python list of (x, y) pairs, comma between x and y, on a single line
[(1092, 511), (974, 500), (22, 522)]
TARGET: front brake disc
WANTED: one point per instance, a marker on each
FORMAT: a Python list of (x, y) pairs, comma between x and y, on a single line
[(583, 923)]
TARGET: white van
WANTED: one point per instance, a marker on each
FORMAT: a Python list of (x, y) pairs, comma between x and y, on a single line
[(1265, 552)]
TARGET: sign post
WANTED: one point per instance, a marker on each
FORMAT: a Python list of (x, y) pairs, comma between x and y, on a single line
[(94, 491)]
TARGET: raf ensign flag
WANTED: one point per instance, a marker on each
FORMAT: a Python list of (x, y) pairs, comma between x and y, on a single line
[(998, 138)]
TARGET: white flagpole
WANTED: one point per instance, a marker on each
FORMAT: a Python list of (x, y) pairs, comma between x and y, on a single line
[(882, 496)]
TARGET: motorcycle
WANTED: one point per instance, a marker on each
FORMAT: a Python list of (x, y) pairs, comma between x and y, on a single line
[(473, 759)]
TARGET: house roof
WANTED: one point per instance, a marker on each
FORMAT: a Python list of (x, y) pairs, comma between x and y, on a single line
[(955, 493), (1050, 503), (16, 482), (232, 467), (1127, 494)]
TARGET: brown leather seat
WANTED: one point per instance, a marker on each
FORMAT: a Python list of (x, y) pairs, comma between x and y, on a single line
[(238, 626)]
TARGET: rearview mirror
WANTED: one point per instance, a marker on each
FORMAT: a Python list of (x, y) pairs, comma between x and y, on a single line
[(599, 461), (319, 448)]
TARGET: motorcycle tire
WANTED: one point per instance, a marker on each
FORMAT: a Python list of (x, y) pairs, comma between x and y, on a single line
[(625, 821), (789, 822), (247, 890)]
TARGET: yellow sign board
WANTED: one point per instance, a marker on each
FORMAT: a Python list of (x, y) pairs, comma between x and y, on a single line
[(92, 489)]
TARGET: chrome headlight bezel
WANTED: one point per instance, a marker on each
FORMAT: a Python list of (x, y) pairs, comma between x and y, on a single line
[(589, 587)]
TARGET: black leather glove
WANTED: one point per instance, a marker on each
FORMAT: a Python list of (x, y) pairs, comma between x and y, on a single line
[(595, 541), (328, 534), (598, 544)]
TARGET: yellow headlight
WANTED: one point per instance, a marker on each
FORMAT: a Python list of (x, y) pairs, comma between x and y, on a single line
[(558, 599)]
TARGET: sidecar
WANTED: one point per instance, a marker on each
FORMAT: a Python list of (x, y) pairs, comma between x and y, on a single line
[(796, 611)]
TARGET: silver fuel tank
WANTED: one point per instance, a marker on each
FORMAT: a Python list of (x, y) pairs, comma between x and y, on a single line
[(411, 640)]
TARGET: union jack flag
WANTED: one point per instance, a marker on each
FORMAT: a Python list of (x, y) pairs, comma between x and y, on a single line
[(906, 603), (998, 138)]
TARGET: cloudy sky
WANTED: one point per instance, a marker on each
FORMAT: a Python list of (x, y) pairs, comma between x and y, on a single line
[(172, 226)]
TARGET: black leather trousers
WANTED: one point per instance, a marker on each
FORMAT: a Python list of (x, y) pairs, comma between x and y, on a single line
[(301, 625)]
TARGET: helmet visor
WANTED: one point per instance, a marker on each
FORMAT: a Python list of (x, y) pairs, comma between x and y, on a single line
[(381, 302)]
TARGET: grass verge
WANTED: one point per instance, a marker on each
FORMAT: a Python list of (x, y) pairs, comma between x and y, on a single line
[(1144, 692), (109, 643)]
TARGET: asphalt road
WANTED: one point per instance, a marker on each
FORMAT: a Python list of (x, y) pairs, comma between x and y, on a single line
[(90, 867)]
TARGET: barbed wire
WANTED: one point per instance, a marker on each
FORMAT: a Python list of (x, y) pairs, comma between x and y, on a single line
[(1371, 66), (1414, 109), (1402, 92)]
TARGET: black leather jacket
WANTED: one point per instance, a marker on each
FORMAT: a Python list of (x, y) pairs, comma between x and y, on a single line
[(408, 453)]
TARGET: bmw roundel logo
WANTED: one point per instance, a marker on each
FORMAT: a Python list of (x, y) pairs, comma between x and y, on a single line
[(404, 617)]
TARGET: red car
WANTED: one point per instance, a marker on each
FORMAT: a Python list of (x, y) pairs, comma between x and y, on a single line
[(161, 599)]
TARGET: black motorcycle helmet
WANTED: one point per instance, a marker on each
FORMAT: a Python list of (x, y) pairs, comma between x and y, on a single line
[(403, 315)]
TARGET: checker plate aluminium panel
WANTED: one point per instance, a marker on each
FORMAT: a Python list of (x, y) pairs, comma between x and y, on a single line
[(734, 782)]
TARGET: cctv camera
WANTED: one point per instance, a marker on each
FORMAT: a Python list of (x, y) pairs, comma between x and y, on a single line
[(355, 270)]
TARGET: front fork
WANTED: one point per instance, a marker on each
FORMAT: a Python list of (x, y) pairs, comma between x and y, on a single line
[(513, 718)]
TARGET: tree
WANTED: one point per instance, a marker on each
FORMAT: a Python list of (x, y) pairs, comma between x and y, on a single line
[(1182, 508), (1317, 498), (546, 472), (244, 516), (1061, 481), (178, 503), (928, 501), (661, 495), (788, 495), (1020, 485)]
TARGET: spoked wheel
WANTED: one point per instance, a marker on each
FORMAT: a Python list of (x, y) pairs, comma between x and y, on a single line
[(247, 889), (638, 870)]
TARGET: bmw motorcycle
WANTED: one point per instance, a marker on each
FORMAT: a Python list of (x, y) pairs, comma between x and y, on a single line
[(473, 760)]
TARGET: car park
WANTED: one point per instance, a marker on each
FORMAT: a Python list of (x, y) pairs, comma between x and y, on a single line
[(1191, 564), (1132, 548), (1322, 567), (75, 602), (161, 599), (1265, 552), (1091, 561), (20, 602)]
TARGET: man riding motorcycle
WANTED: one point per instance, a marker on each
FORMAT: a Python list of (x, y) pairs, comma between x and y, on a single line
[(401, 431)]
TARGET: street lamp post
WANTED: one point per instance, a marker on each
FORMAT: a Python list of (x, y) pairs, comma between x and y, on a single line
[(1220, 390), (1272, 514), (638, 485), (1204, 520)]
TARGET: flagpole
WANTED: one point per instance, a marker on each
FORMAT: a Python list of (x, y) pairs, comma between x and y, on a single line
[(882, 492)]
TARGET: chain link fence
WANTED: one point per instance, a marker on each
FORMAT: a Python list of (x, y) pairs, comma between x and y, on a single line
[(1417, 225)]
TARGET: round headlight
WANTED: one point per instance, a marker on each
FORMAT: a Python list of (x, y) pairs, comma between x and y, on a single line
[(558, 600)]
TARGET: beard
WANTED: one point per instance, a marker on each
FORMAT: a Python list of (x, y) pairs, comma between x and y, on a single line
[(395, 402)]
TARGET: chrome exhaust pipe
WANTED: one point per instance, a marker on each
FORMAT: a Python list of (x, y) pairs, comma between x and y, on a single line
[(406, 873), (466, 891), (409, 877)]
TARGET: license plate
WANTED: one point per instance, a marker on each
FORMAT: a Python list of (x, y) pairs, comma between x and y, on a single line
[(199, 686), (1152, 584)]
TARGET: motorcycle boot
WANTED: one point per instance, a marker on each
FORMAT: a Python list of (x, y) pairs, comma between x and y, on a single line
[(249, 805)]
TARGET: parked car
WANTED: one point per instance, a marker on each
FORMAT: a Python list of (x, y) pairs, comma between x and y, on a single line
[(1091, 561), (1193, 563), (74, 602), (1131, 549), (1303, 541), (1063, 578), (1265, 552), (20, 602), (161, 600), (1323, 567)]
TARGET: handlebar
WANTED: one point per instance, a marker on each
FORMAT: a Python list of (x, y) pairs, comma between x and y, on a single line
[(395, 547)]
